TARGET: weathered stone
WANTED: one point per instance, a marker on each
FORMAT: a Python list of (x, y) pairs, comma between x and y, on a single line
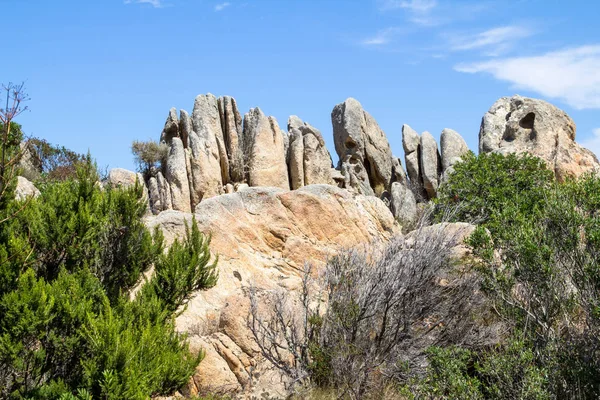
[(206, 166), (524, 125), (429, 164), (317, 160), (404, 204), (206, 121), (231, 124), (363, 149), (185, 127), (229, 188), (121, 177), (452, 147), (155, 198), (296, 152), (25, 189), (176, 175), (263, 237), (411, 142), (398, 173), (171, 128), (265, 151), (165, 192)]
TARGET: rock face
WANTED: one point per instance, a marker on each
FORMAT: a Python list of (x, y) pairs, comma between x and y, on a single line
[(363, 149), (429, 164), (403, 204), (309, 160), (263, 237), (231, 124), (519, 124), (265, 151), (411, 143), (453, 147), (176, 174), (122, 177), (25, 189)]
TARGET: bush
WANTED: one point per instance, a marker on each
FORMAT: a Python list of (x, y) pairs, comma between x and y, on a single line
[(68, 328), (150, 156), (489, 188), (380, 310)]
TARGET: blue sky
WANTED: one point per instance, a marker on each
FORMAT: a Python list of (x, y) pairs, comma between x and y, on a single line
[(103, 73)]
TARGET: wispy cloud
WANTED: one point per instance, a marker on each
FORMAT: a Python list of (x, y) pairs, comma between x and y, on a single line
[(382, 37), (571, 75), (222, 6), (417, 6), (593, 143), (153, 3), (495, 41)]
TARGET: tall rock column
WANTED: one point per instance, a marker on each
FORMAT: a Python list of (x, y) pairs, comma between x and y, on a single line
[(363, 149), (206, 121), (176, 175), (264, 151), (231, 124), (308, 159), (430, 164)]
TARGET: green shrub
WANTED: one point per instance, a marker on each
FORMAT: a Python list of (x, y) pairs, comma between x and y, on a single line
[(68, 328)]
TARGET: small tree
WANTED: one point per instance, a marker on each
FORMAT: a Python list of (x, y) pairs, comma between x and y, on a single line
[(150, 156), (9, 153)]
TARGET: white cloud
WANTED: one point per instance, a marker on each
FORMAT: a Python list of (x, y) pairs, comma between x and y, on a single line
[(499, 38), (153, 3), (571, 75), (593, 143), (382, 37), (416, 6), (420, 11), (222, 6)]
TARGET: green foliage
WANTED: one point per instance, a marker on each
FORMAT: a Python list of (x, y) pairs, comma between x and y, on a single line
[(538, 250), (184, 269), (53, 163), (503, 373), (68, 328), (489, 188)]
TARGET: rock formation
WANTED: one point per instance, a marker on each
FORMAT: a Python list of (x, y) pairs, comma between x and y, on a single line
[(519, 124), (429, 164), (265, 151), (363, 149), (263, 237), (452, 147), (411, 143), (309, 160), (25, 189)]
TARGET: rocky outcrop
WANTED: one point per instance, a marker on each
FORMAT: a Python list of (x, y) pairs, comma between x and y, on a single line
[(122, 177), (411, 143), (429, 164), (206, 121), (231, 124), (263, 237), (363, 149), (523, 125), (403, 205), (177, 176), (453, 147), (265, 151), (25, 189), (171, 128), (309, 161)]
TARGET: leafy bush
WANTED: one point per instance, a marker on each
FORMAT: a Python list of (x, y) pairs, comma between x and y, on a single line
[(490, 188), (53, 163)]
